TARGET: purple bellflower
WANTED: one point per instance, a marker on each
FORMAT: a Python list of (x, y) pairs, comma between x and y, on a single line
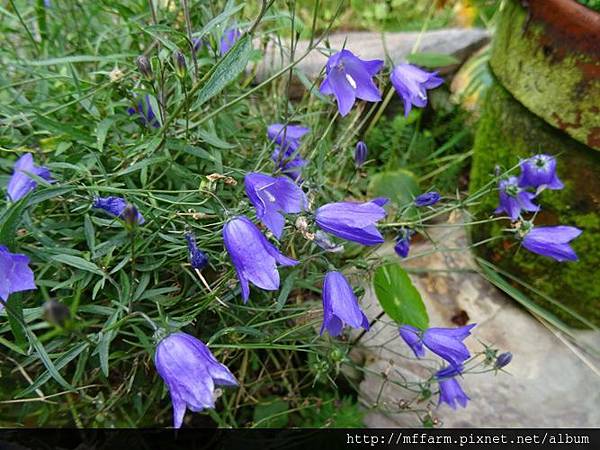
[(514, 199), (15, 274), (451, 392), (412, 336), (427, 199), (348, 77), (118, 207), (353, 221), (228, 39), (444, 342), (273, 196), (285, 155), (255, 259), (198, 259), (412, 83), (146, 115), (191, 372), (20, 183), (539, 171), (340, 305), (360, 154), (402, 246), (552, 241)]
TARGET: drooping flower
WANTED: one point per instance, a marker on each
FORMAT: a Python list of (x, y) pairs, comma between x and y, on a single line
[(451, 392), (198, 259), (229, 38), (444, 342), (412, 83), (427, 199), (447, 343), (360, 154), (552, 241), (286, 155), (539, 171), (412, 337), (340, 305), (353, 221), (15, 274), (20, 183), (118, 207), (143, 109), (514, 199), (190, 372), (197, 44), (255, 259), (503, 360), (273, 196), (348, 77), (402, 246)]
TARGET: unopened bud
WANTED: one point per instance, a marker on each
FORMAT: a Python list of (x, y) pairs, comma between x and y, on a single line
[(144, 67), (56, 313), (130, 216), (360, 154), (503, 360), (180, 65)]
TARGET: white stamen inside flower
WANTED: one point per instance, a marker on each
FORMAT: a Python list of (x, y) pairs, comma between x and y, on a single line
[(270, 196), (351, 81)]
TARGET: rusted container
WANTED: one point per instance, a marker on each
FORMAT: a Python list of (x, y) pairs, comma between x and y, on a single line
[(547, 55)]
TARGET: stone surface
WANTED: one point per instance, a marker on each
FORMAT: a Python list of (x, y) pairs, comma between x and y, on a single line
[(547, 384), (459, 42)]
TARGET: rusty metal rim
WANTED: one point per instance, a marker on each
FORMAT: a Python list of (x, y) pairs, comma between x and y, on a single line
[(569, 23)]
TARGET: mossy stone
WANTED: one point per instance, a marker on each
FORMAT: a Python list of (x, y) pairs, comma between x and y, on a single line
[(507, 132), (549, 59)]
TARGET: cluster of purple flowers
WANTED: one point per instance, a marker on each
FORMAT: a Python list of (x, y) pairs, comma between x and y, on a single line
[(517, 195), (185, 363), (448, 344), (347, 78)]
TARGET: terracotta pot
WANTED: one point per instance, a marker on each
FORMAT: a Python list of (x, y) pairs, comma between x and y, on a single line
[(546, 53)]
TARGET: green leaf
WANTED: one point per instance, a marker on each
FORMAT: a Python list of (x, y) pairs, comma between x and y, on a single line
[(398, 297), (61, 362), (286, 288), (271, 415), (399, 186), (432, 60), (45, 358), (79, 263), (226, 70), (10, 220), (14, 309)]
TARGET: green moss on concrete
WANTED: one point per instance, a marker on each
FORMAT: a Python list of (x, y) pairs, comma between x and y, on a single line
[(507, 131), (553, 82)]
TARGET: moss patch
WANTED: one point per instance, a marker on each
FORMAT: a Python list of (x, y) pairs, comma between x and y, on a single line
[(544, 74), (507, 131)]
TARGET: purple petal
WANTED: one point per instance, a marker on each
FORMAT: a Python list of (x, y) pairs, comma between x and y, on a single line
[(340, 305)]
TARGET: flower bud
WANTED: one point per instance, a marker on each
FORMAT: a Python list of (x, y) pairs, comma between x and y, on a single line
[(144, 67), (503, 360), (179, 62), (56, 313), (130, 216), (360, 154)]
